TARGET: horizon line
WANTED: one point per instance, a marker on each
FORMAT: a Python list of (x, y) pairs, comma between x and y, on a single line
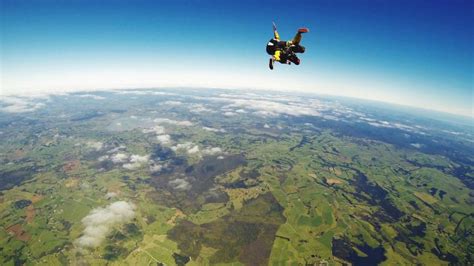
[(39, 93)]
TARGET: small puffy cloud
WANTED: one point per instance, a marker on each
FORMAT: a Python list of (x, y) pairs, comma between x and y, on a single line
[(164, 139), (173, 103), (92, 96), (100, 221), (155, 167), (187, 147), (199, 108), (96, 145), (131, 166), (182, 146), (180, 184), (211, 151), (103, 158), (130, 162), (221, 130), (228, 113), (220, 157), (266, 126), (156, 129), (241, 111), (417, 145), (193, 150), (119, 158), (135, 161), (134, 158), (184, 123)]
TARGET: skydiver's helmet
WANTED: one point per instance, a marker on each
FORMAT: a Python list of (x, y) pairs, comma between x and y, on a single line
[(272, 46)]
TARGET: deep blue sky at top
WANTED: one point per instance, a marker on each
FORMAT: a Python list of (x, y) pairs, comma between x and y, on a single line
[(424, 47)]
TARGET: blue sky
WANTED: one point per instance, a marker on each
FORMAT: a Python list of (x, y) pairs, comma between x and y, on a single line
[(416, 53)]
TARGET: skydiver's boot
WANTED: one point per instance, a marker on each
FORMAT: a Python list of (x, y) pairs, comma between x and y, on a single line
[(270, 63), (303, 30)]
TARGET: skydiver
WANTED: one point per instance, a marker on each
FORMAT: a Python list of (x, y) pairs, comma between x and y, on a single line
[(284, 51)]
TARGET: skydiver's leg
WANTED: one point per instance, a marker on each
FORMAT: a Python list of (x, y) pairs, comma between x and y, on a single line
[(294, 59), (297, 39)]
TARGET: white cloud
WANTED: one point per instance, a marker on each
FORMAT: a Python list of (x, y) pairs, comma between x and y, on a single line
[(96, 145), (417, 145), (135, 158), (103, 158), (184, 123), (19, 105), (131, 166), (211, 151), (266, 126), (164, 139), (228, 113), (143, 92), (156, 129), (182, 146), (155, 167), (135, 161), (199, 108), (130, 162), (119, 158), (273, 108), (173, 103), (187, 147), (99, 222), (193, 150), (214, 129), (92, 96)]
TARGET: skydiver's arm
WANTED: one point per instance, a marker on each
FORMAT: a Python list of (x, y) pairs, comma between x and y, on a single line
[(275, 32)]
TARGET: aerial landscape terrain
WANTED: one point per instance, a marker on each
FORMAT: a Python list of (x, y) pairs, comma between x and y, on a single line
[(232, 177)]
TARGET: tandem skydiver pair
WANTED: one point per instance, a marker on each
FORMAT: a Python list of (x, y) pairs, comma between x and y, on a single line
[(285, 51)]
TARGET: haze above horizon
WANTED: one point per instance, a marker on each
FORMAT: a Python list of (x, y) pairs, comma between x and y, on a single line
[(413, 53)]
